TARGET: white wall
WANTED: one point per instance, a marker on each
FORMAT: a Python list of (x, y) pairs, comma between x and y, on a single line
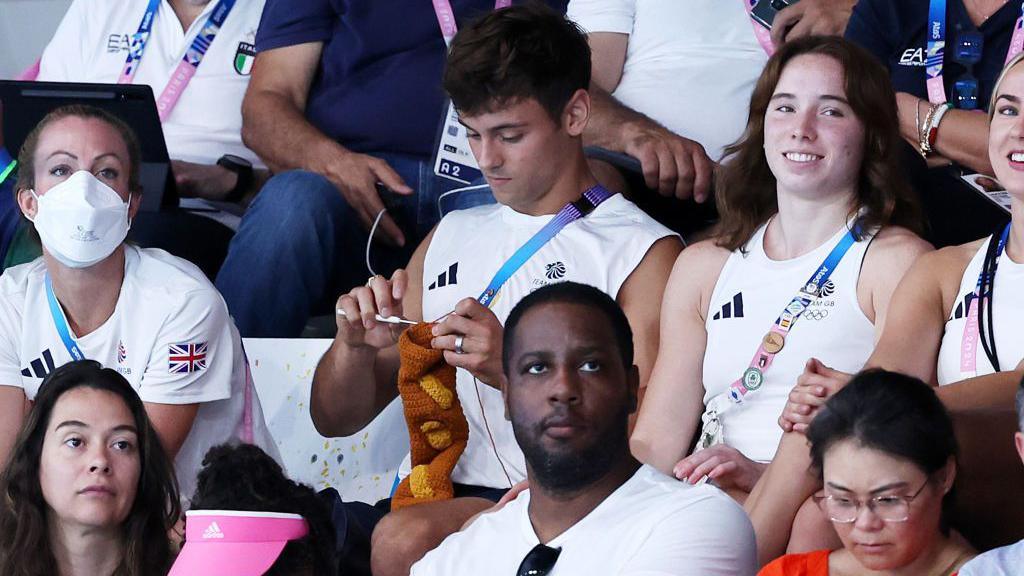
[(26, 26)]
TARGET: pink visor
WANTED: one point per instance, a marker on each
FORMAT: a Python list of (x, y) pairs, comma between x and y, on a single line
[(235, 543)]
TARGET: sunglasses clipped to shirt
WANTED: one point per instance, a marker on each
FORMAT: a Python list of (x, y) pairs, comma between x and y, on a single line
[(539, 561)]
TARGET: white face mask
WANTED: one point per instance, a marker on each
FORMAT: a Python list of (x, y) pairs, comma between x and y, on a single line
[(81, 220)]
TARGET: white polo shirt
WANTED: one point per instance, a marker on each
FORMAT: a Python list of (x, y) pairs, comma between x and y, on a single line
[(690, 64), (652, 525), (170, 336), (91, 45)]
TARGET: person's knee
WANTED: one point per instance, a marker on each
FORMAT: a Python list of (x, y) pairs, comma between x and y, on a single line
[(296, 200), (400, 539)]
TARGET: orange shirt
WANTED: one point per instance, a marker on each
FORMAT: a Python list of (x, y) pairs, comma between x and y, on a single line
[(810, 564)]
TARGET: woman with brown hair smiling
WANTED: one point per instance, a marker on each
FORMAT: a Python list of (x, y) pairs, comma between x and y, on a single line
[(809, 252), (956, 322)]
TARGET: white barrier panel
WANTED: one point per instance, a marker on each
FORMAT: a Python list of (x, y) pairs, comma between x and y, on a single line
[(361, 467)]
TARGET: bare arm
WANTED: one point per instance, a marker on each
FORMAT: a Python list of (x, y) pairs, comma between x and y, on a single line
[(962, 136), (608, 57), (823, 17), (274, 126), (640, 298), (674, 401), (672, 165), (13, 406), (892, 252), (357, 376), (990, 392), (778, 495), (914, 324), (172, 423)]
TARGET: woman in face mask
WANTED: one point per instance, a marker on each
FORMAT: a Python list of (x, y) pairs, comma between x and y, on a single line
[(153, 317)]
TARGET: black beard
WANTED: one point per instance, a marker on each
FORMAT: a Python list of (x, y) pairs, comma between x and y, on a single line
[(565, 472)]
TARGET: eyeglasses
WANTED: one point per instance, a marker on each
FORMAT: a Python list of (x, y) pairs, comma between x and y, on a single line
[(843, 510), (967, 52), (539, 561)]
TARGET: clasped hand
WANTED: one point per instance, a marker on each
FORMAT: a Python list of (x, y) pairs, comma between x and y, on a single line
[(816, 385)]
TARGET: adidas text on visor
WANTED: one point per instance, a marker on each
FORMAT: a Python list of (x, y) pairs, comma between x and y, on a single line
[(235, 543)]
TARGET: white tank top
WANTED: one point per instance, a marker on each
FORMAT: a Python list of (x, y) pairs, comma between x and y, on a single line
[(751, 292), (469, 246), (1007, 309)]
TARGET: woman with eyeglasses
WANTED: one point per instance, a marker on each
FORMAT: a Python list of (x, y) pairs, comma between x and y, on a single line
[(944, 57), (886, 452)]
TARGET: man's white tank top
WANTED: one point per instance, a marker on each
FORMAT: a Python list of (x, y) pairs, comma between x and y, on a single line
[(1007, 309), (468, 246), (751, 292)]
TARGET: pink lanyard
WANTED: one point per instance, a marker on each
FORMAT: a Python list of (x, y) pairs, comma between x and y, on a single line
[(446, 17), (763, 35), (188, 64), (972, 326), (1017, 40)]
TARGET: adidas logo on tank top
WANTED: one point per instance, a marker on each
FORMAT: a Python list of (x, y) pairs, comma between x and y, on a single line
[(732, 309)]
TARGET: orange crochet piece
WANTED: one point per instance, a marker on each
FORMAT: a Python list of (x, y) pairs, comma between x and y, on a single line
[(438, 431)]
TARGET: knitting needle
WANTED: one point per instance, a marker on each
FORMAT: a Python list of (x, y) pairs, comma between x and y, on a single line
[(379, 318)]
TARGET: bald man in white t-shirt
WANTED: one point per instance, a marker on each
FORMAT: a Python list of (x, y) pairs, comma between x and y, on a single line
[(591, 508)]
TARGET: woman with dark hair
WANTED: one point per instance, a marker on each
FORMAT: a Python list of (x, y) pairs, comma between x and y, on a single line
[(956, 322), (289, 525), (88, 489), (154, 317), (810, 250), (885, 450)]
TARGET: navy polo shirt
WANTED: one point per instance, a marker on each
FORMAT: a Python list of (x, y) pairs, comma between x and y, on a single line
[(896, 32), (379, 84)]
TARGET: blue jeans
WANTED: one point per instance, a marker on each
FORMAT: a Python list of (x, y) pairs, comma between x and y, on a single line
[(300, 245)]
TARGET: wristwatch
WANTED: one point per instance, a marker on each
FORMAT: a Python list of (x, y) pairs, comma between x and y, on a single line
[(241, 167)]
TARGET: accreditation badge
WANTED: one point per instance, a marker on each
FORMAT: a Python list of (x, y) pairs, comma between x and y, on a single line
[(454, 159)]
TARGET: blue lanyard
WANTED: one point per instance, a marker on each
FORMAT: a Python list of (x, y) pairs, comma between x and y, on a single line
[(196, 51), (61, 323), (936, 34), (753, 376), (812, 289), (201, 43), (573, 211), (140, 39), (936, 38)]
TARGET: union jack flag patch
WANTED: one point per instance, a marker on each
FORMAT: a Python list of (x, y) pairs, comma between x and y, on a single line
[(186, 358)]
